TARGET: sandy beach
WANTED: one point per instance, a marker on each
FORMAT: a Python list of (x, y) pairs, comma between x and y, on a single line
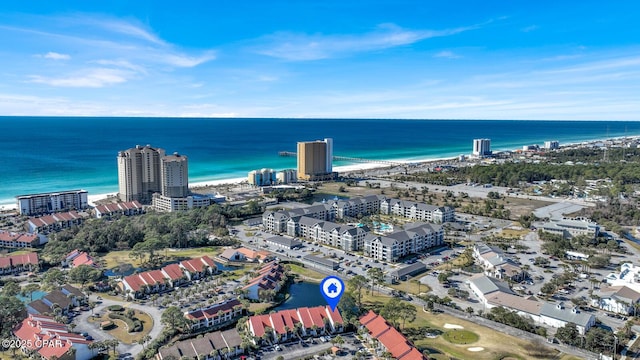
[(371, 168)]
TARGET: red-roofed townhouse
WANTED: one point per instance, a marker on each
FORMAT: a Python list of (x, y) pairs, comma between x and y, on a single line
[(268, 282), (133, 286), (41, 334), (215, 314), (199, 267), (287, 324), (54, 222), (389, 339), (175, 274), (20, 240), (18, 263), (129, 208)]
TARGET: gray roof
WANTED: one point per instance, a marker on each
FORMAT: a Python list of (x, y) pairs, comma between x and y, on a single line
[(566, 315), (309, 221), (409, 270), (487, 285), (284, 241), (322, 261)]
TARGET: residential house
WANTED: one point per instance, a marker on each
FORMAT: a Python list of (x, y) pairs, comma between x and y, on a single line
[(618, 299), (77, 258), (51, 340), (170, 276), (295, 323), (495, 263), (389, 339), (270, 278), (129, 208), (211, 346), (215, 315), (243, 254), (10, 239), (55, 222), (199, 267), (14, 264), (495, 293)]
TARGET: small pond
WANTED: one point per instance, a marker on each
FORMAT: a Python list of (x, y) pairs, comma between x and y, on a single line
[(302, 294)]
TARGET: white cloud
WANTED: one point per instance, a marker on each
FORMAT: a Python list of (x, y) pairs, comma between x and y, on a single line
[(303, 47), (56, 56), (90, 78), (447, 54), (530, 28)]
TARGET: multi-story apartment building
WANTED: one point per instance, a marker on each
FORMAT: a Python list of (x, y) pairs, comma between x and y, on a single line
[(315, 160), (262, 177), (365, 205), (347, 237), (139, 173), (481, 147), (414, 238), (417, 211), (46, 203)]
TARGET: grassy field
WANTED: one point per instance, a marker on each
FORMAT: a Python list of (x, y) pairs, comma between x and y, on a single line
[(455, 336), (494, 343), (411, 287), (306, 274), (117, 258)]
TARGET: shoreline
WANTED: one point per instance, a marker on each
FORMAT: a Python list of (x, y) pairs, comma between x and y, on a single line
[(357, 167)]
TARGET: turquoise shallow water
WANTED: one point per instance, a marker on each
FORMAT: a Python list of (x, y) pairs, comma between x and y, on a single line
[(41, 154)]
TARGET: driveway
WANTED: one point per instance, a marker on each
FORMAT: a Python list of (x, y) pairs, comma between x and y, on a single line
[(83, 324)]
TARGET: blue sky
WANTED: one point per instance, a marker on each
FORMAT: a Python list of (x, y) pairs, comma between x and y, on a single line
[(336, 59)]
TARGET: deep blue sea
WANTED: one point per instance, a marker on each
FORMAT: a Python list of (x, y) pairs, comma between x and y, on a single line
[(42, 154)]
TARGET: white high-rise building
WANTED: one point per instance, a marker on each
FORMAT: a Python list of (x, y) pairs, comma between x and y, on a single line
[(551, 145), (139, 173), (174, 176), (481, 147), (329, 142)]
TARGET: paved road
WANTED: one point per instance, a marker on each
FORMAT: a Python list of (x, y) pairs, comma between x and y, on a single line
[(83, 325)]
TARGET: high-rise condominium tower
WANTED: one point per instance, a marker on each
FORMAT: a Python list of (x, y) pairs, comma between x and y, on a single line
[(174, 176), (315, 159), (481, 147), (139, 173)]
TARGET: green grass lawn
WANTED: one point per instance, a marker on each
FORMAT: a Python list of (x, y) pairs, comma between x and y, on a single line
[(117, 258), (411, 287), (460, 336), (307, 274)]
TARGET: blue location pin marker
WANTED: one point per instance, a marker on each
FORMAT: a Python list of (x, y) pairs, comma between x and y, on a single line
[(332, 289)]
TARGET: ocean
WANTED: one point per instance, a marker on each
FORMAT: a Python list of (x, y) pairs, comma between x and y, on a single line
[(43, 154)]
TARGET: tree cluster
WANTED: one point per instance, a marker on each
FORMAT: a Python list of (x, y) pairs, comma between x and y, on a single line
[(511, 318), (176, 229)]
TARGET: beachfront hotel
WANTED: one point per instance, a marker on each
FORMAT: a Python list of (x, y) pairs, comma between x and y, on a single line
[(47, 203), (139, 173), (481, 147), (315, 160)]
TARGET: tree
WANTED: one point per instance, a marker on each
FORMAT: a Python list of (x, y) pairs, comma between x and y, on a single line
[(174, 318), (443, 277), (357, 283), (11, 288), (12, 312), (83, 274), (568, 334), (338, 340), (54, 278), (408, 312), (469, 310), (376, 276), (29, 289)]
